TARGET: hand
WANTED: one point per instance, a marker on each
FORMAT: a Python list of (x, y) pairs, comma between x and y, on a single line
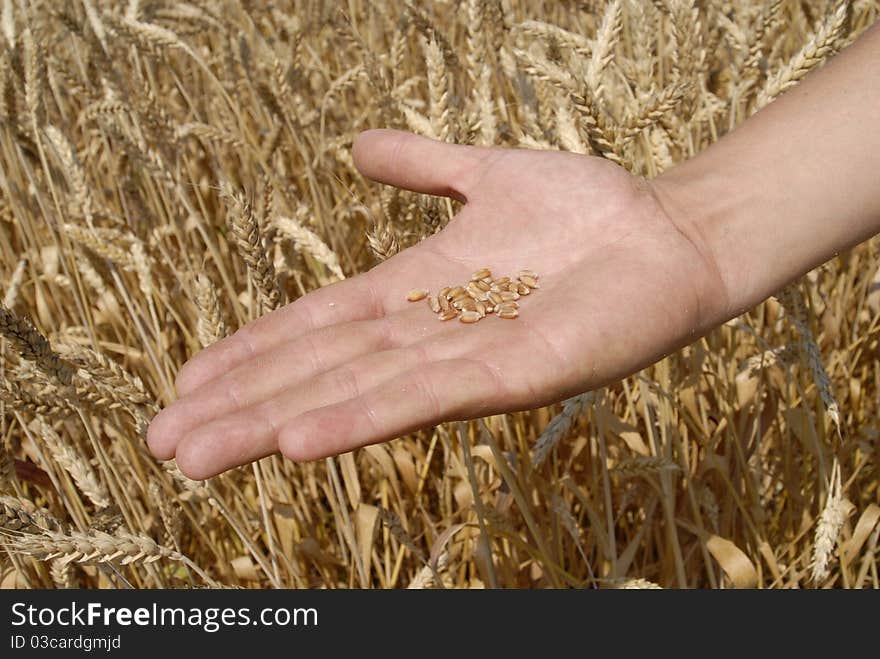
[(354, 363)]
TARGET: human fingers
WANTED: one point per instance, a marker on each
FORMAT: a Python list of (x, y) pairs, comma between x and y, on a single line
[(345, 301), (422, 396), (251, 433), (283, 367), (417, 163)]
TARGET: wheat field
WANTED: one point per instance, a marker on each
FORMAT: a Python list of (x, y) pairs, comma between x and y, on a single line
[(171, 170)]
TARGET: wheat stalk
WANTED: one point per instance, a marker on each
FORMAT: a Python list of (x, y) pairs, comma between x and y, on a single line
[(599, 134), (249, 243), (479, 69), (7, 23), (308, 242), (603, 47), (10, 298), (34, 77), (438, 92), (7, 467), (74, 171), (820, 46), (830, 523), (553, 34), (32, 345), (75, 464), (22, 516), (99, 547), (108, 376), (559, 427), (50, 405), (210, 327), (169, 512), (643, 464), (792, 300), (426, 576)]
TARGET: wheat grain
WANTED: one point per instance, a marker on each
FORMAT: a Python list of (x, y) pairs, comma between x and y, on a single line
[(417, 294), (482, 273), (63, 575), (469, 316), (635, 584)]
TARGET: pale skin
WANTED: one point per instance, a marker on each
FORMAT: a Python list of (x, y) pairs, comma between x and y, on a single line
[(630, 270)]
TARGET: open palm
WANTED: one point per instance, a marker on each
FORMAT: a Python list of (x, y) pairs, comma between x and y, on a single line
[(354, 363)]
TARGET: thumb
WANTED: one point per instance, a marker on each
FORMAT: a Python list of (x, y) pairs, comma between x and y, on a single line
[(406, 160)]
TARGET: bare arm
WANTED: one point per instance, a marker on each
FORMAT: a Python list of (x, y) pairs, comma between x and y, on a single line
[(793, 186)]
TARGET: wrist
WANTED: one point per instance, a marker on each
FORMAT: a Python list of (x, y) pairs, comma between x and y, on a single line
[(743, 218), (701, 209), (790, 188)]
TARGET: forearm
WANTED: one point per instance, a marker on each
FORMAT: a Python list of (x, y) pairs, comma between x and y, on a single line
[(792, 186)]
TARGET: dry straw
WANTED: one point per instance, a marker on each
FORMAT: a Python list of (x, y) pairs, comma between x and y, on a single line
[(831, 521), (117, 121), (12, 290)]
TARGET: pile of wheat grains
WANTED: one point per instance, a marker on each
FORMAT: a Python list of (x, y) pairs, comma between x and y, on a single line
[(170, 171), (480, 296)]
